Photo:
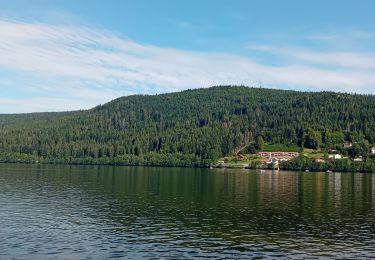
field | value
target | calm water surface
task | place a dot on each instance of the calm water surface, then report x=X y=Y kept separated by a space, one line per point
x=88 y=212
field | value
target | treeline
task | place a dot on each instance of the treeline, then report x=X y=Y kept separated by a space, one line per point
x=344 y=165
x=150 y=159
x=189 y=128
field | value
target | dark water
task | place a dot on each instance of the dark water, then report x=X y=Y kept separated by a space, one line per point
x=75 y=212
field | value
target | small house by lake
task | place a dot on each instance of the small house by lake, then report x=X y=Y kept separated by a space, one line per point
x=335 y=156
x=278 y=155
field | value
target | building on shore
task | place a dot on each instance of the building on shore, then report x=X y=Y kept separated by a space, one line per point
x=335 y=156
x=332 y=151
x=278 y=155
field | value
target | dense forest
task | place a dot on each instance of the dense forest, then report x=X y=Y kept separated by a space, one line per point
x=189 y=128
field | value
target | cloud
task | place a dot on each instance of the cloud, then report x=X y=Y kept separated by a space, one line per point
x=73 y=67
x=24 y=105
x=348 y=35
x=352 y=60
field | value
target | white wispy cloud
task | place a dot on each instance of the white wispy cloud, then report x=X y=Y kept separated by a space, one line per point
x=24 y=105
x=79 y=67
x=352 y=60
x=346 y=35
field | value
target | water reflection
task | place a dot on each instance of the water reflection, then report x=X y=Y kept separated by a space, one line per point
x=79 y=211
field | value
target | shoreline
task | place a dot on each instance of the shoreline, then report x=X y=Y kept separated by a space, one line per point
x=183 y=166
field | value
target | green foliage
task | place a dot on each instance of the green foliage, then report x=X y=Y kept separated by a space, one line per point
x=313 y=139
x=344 y=165
x=250 y=149
x=281 y=148
x=189 y=128
x=356 y=137
x=332 y=138
x=260 y=143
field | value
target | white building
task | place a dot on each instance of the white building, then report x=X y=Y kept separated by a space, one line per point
x=373 y=150
x=335 y=156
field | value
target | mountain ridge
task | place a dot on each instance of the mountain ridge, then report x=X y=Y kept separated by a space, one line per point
x=191 y=127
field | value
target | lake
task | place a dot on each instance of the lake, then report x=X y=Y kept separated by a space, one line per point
x=97 y=212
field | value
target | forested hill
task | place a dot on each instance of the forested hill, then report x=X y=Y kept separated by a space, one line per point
x=192 y=127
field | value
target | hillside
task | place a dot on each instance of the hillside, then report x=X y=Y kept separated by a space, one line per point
x=188 y=128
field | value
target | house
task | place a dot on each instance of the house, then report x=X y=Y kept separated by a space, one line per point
x=279 y=155
x=264 y=154
x=358 y=159
x=348 y=145
x=272 y=157
x=332 y=151
x=292 y=154
x=266 y=160
x=335 y=156
x=320 y=160
x=373 y=150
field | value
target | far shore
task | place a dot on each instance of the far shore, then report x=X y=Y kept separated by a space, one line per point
x=212 y=167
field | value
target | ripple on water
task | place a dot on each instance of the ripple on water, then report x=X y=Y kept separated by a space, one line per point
x=95 y=213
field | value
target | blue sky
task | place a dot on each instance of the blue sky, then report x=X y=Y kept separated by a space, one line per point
x=65 y=55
